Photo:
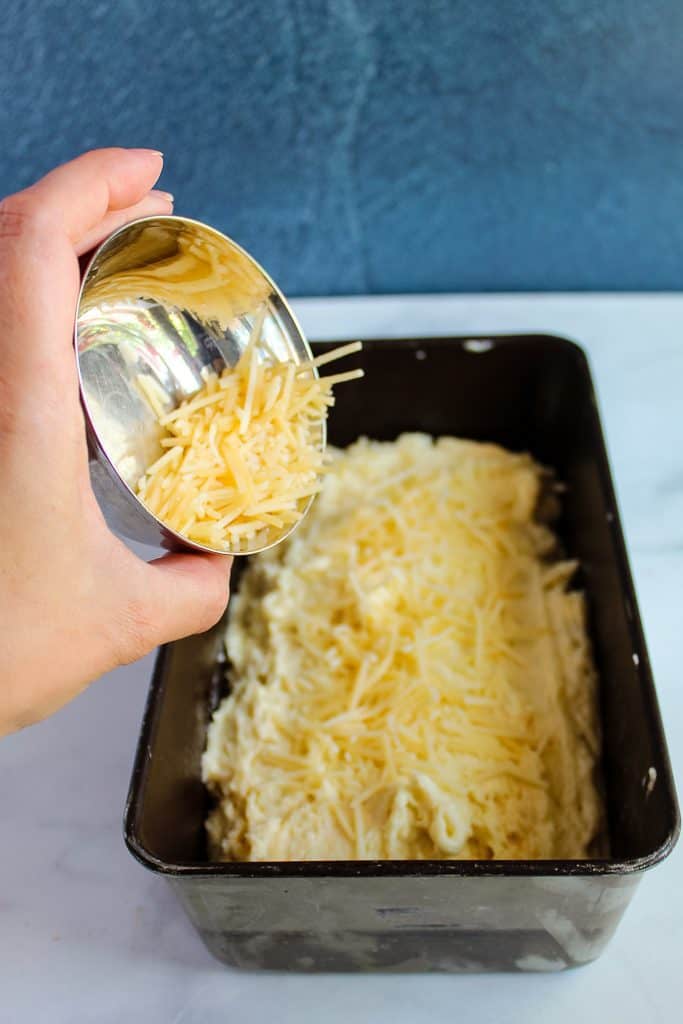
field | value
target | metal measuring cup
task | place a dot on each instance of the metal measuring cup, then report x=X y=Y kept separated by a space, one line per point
x=163 y=300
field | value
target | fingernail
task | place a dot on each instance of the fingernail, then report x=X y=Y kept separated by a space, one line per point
x=147 y=152
x=168 y=196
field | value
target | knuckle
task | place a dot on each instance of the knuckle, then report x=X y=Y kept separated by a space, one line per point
x=213 y=602
x=22 y=215
x=135 y=633
x=13 y=218
x=10 y=420
x=13 y=412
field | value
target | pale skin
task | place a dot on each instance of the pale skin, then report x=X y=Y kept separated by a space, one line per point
x=75 y=601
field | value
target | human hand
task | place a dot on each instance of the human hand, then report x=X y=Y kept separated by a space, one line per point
x=75 y=601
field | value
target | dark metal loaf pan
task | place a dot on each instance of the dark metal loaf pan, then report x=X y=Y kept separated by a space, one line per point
x=532 y=393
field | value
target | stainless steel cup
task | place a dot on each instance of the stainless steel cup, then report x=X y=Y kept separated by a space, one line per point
x=164 y=299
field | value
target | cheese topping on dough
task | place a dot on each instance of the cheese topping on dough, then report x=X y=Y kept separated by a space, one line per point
x=411 y=676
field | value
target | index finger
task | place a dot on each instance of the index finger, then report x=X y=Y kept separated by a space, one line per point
x=85 y=189
x=38 y=269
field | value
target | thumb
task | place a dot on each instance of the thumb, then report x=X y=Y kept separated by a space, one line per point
x=178 y=595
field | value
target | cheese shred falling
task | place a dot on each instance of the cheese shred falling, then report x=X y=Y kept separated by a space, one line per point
x=410 y=673
x=242 y=457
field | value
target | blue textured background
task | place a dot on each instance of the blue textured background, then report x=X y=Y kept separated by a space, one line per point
x=378 y=145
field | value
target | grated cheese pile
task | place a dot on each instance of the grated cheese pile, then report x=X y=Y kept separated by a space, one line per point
x=243 y=456
x=411 y=677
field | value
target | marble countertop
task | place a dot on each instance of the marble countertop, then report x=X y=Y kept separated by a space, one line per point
x=86 y=934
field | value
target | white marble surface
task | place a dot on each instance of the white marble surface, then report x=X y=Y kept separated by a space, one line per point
x=86 y=934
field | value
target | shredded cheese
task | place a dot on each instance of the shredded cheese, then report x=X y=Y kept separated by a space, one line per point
x=242 y=457
x=197 y=269
x=411 y=677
